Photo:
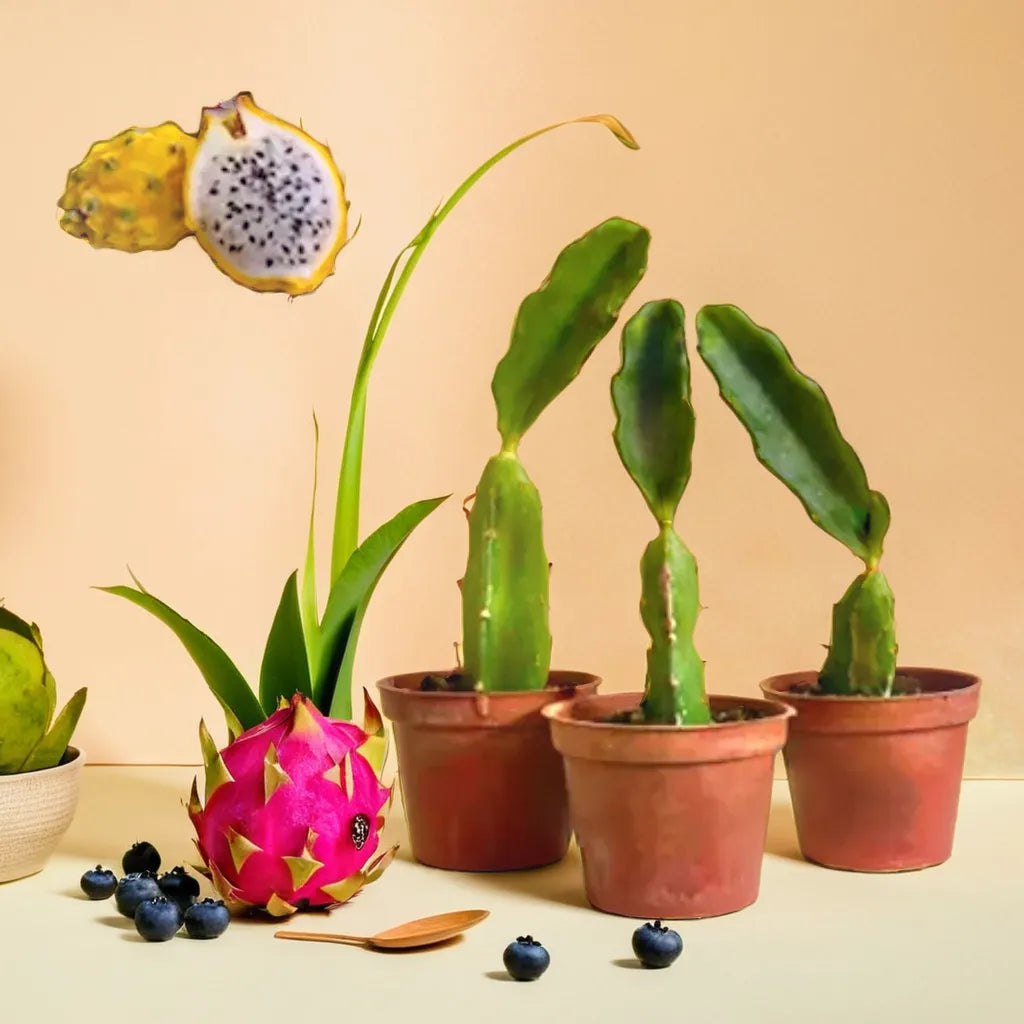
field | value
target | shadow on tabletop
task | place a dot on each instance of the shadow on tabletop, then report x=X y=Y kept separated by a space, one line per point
x=556 y=883
x=781 y=840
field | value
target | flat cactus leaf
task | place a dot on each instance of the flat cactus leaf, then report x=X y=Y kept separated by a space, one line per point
x=285 y=667
x=25 y=701
x=862 y=653
x=347 y=602
x=505 y=630
x=227 y=684
x=669 y=606
x=50 y=750
x=559 y=325
x=654 y=426
x=793 y=428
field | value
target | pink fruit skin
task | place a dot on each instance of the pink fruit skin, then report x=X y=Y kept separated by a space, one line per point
x=307 y=748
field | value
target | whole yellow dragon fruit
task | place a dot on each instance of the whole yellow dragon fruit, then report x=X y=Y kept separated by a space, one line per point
x=263 y=199
x=127 y=192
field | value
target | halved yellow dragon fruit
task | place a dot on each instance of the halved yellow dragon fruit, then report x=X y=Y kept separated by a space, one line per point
x=293 y=811
x=264 y=199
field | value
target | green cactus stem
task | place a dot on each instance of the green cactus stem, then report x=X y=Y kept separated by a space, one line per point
x=796 y=438
x=654 y=432
x=506 y=632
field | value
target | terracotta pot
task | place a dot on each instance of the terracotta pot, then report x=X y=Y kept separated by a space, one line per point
x=670 y=821
x=482 y=786
x=875 y=781
x=36 y=809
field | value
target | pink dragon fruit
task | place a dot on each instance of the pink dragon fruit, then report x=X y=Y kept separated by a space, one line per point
x=267 y=790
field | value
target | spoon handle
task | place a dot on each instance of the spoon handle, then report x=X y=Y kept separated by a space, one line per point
x=321 y=937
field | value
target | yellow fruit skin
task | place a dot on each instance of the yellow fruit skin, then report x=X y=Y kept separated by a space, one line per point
x=227 y=121
x=127 y=192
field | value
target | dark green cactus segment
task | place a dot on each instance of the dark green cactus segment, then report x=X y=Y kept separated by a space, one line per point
x=862 y=654
x=794 y=429
x=669 y=606
x=506 y=638
x=654 y=425
x=559 y=325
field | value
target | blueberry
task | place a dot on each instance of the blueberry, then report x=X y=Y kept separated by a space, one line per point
x=133 y=889
x=207 y=919
x=158 y=919
x=178 y=885
x=99 y=883
x=526 y=959
x=655 y=945
x=141 y=857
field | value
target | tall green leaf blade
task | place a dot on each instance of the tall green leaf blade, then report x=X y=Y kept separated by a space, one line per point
x=309 y=611
x=352 y=590
x=793 y=428
x=559 y=325
x=51 y=748
x=346 y=514
x=655 y=424
x=285 y=667
x=226 y=683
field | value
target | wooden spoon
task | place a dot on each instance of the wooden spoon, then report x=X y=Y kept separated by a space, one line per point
x=425 y=931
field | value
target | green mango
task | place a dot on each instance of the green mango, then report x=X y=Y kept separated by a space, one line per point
x=27 y=699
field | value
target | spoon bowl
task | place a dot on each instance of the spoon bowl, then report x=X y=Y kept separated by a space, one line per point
x=424 y=931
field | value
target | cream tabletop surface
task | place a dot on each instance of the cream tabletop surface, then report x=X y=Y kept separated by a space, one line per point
x=942 y=945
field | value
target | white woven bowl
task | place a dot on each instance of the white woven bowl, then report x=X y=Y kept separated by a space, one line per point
x=36 y=809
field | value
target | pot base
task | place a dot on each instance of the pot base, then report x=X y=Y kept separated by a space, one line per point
x=875 y=781
x=670 y=820
x=482 y=785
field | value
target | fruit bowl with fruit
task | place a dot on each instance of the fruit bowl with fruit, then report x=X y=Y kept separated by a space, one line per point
x=39 y=770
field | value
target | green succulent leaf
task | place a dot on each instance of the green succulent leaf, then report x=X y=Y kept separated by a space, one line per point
x=285 y=668
x=49 y=751
x=654 y=426
x=226 y=683
x=793 y=428
x=16 y=624
x=26 y=703
x=346 y=516
x=559 y=325
x=862 y=649
x=346 y=606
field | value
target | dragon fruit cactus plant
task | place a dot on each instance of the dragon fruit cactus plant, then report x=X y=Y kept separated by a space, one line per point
x=292 y=806
x=654 y=433
x=506 y=632
x=31 y=739
x=796 y=437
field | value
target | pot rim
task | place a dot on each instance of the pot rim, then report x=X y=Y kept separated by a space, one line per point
x=76 y=759
x=573 y=677
x=968 y=683
x=557 y=712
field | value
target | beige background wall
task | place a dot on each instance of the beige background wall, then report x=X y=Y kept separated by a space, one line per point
x=848 y=172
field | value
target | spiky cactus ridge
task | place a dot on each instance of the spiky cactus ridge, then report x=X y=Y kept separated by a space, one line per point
x=293 y=811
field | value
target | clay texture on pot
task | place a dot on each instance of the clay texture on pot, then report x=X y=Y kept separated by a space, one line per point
x=482 y=786
x=36 y=809
x=875 y=781
x=670 y=821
